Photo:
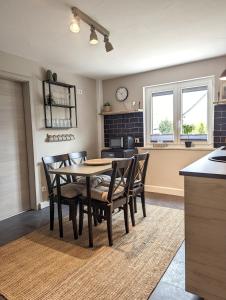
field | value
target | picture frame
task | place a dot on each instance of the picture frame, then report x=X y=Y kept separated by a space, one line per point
x=223 y=90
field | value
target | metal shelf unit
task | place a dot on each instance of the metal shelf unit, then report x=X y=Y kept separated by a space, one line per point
x=50 y=102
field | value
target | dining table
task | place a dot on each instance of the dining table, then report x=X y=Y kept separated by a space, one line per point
x=86 y=171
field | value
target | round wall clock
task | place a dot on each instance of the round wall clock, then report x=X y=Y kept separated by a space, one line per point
x=121 y=94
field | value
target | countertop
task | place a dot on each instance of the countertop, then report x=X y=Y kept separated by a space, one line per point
x=204 y=167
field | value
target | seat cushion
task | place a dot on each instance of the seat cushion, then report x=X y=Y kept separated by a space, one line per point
x=70 y=190
x=94 y=180
x=101 y=193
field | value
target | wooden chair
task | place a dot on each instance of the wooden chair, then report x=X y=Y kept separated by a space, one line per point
x=109 y=197
x=69 y=191
x=136 y=188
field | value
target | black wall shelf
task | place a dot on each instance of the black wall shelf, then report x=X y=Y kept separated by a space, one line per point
x=61 y=96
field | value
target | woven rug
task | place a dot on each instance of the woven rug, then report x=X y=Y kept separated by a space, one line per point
x=40 y=266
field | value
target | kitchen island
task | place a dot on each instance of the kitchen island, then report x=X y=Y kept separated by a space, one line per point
x=205 y=226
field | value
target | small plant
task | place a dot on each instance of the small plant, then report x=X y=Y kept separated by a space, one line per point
x=107 y=107
x=187 y=129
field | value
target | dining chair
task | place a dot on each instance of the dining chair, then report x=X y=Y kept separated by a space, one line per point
x=136 y=188
x=69 y=191
x=108 y=197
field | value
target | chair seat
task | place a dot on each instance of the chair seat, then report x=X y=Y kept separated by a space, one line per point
x=70 y=190
x=101 y=193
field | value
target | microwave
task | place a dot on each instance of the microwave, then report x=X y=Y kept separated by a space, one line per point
x=122 y=142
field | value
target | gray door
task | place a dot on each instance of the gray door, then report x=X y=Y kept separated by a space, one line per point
x=14 y=186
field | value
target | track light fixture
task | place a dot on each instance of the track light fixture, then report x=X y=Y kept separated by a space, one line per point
x=75 y=24
x=93 y=36
x=94 y=27
x=108 y=45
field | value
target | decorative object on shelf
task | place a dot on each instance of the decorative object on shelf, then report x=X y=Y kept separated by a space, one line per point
x=187 y=129
x=107 y=107
x=55 y=77
x=59 y=105
x=49 y=75
x=121 y=94
x=59 y=137
x=94 y=26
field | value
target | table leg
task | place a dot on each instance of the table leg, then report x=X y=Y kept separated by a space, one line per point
x=60 y=218
x=88 y=187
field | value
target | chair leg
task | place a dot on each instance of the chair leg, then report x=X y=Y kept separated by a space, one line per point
x=95 y=216
x=70 y=213
x=81 y=216
x=73 y=209
x=135 y=204
x=51 y=213
x=143 y=204
x=126 y=218
x=132 y=211
x=109 y=224
x=60 y=218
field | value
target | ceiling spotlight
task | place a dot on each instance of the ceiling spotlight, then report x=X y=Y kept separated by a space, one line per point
x=223 y=75
x=75 y=24
x=93 y=36
x=108 y=45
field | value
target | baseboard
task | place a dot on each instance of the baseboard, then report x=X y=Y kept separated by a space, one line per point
x=164 y=190
x=43 y=204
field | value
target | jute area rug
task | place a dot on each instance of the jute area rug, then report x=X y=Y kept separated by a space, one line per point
x=40 y=266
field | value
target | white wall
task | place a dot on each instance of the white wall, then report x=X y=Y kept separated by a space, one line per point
x=85 y=134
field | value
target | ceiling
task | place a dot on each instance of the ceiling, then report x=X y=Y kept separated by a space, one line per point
x=146 y=34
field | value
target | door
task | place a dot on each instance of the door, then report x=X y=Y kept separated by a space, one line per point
x=14 y=186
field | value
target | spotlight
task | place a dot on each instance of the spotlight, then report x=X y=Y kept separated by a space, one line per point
x=75 y=24
x=93 y=36
x=223 y=75
x=108 y=45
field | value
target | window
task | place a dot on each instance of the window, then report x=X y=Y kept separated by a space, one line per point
x=170 y=109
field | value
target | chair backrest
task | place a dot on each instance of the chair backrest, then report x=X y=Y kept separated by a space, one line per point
x=120 y=178
x=55 y=162
x=139 y=169
x=77 y=157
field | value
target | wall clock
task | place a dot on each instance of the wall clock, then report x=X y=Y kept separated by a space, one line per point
x=121 y=94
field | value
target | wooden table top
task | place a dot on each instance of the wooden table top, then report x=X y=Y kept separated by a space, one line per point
x=82 y=170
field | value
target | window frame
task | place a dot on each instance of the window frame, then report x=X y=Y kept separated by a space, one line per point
x=177 y=88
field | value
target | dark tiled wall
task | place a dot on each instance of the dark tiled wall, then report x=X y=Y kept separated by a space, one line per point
x=124 y=124
x=219 y=125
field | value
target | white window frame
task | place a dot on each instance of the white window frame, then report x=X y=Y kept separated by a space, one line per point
x=177 y=88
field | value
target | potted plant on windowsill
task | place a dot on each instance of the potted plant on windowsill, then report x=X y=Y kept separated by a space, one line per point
x=107 y=107
x=187 y=129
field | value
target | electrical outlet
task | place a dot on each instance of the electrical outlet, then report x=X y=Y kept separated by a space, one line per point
x=44 y=188
x=137 y=140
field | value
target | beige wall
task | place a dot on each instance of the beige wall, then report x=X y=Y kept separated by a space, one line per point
x=135 y=83
x=163 y=170
x=85 y=134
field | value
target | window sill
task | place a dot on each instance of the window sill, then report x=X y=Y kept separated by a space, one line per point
x=180 y=147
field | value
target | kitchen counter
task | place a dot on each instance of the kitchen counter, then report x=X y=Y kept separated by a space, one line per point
x=205 y=226
x=205 y=167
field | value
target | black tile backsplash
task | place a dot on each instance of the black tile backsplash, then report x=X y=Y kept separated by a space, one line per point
x=219 y=133
x=124 y=124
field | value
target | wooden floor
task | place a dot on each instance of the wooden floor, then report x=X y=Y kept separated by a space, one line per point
x=170 y=287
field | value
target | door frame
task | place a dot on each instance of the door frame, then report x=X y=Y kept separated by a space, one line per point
x=29 y=119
